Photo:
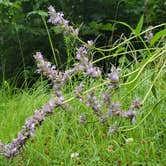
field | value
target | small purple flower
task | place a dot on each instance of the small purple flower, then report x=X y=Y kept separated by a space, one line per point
x=84 y=63
x=113 y=77
x=79 y=91
x=115 y=106
x=113 y=128
x=109 y=113
x=104 y=118
x=94 y=103
x=149 y=34
x=136 y=103
x=106 y=99
x=39 y=115
x=131 y=115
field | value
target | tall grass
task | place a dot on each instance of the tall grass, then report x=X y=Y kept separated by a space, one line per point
x=61 y=136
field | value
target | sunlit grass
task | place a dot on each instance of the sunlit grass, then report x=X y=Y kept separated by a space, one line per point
x=61 y=134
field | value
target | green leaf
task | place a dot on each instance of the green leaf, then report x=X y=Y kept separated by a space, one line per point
x=154 y=92
x=93 y=24
x=38 y=12
x=42 y=13
x=107 y=27
x=157 y=36
x=57 y=30
x=135 y=75
x=125 y=24
x=139 y=25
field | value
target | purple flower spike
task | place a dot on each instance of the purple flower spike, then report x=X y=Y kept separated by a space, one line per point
x=84 y=63
x=113 y=128
x=113 y=76
x=56 y=18
x=94 y=103
x=59 y=78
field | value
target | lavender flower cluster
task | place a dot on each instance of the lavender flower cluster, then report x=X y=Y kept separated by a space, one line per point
x=57 y=19
x=28 y=130
x=111 y=108
x=149 y=34
x=59 y=79
x=84 y=63
x=105 y=104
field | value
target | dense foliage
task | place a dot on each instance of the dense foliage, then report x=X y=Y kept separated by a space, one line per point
x=22 y=30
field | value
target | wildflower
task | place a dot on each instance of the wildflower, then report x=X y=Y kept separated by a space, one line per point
x=115 y=106
x=28 y=130
x=149 y=34
x=136 y=103
x=113 y=76
x=84 y=63
x=129 y=140
x=104 y=118
x=56 y=18
x=106 y=99
x=59 y=79
x=45 y=67
x=113 y=128
x=110 y=148
x=93 y=102
x=131 y=115
x=39 y=115
x=109 y=112
x=79 y=91
x=74 y=156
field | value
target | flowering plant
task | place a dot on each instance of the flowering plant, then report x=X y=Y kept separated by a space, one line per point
x=59 y=78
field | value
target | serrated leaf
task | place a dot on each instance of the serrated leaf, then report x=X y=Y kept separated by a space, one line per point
x=157 y=36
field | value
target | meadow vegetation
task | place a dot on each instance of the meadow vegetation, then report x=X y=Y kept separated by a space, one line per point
x=106 y=115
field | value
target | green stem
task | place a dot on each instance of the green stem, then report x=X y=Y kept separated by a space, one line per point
x=123 y=53
x=107 y=82
x=140 y=70
x=111 y=49
x=50 y=41
x=22 y=54
x=147 y=94
x=129 y=129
